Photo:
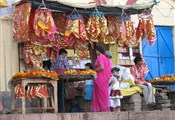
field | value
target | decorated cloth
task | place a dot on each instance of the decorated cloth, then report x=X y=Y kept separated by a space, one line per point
x=78 y=29
x=59 y=19
x=103 y=27
x=83 y=54
x=151 y=31
x=100 y=99
x=146 y=29
x=44 y=25
x=75 y=27
x=80 y=46
x=127 y=34
x=3 y=3
x=121 y=39
x=93 y=28
x=32 y=37
x=60 y=42
x=20 y=22
x=34 y=54
x=113 y=30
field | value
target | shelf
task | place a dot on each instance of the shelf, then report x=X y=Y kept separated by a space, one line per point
x=125 y=65
x=124 y=52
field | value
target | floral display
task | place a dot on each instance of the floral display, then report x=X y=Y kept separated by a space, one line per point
x=36 y=73
x=76 y=72
x=164 y=78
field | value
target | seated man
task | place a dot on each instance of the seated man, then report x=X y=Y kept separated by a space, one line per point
x=138 y=71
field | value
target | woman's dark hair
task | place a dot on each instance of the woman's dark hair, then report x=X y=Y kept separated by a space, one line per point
x=89 y=65
x=115 y=69
x=137 y=59
x=100 y=49
x=61 y=51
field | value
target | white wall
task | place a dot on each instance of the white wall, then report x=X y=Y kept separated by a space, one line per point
x=163 y=13
x=8 y=52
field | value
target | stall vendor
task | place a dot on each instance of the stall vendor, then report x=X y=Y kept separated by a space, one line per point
x=61 y=63
x=138 y=72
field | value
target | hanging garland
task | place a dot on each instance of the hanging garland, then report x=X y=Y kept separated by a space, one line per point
x=146 y=28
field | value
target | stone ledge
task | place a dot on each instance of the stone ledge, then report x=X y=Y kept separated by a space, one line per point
x=155 y=115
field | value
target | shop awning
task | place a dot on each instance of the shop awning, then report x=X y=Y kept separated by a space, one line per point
x=88 y=8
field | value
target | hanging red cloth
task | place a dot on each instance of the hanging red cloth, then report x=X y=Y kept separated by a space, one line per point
x=20 y=22
x=44 y=25
x=60 y=23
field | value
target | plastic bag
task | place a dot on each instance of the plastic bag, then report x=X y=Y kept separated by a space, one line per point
x=124 y=85
x=127 y=77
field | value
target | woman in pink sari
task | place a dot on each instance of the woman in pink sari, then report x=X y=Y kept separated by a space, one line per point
x=100 y=99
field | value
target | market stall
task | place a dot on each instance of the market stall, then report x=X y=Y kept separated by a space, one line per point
x=165 y=93
x=43 y=27
x=34 y=85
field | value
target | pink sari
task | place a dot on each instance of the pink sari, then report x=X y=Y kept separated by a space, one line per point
x=100 y=100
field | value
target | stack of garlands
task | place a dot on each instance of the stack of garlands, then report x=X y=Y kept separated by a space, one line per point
x=87 y=72
x=37 y=73
x=164 y=78
x=76 y=72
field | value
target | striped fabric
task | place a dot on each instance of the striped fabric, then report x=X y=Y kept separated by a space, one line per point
x=144 y=67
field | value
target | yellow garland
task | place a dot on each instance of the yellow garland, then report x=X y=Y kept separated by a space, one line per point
x=36 y=73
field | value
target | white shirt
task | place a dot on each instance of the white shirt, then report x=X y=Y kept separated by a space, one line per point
x=116 y=83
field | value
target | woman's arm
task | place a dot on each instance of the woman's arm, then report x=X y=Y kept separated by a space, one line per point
x=99 y=68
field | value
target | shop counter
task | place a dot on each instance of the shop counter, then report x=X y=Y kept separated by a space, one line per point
x=63 y=79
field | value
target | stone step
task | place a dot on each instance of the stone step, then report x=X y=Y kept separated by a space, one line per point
x=163 y=101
